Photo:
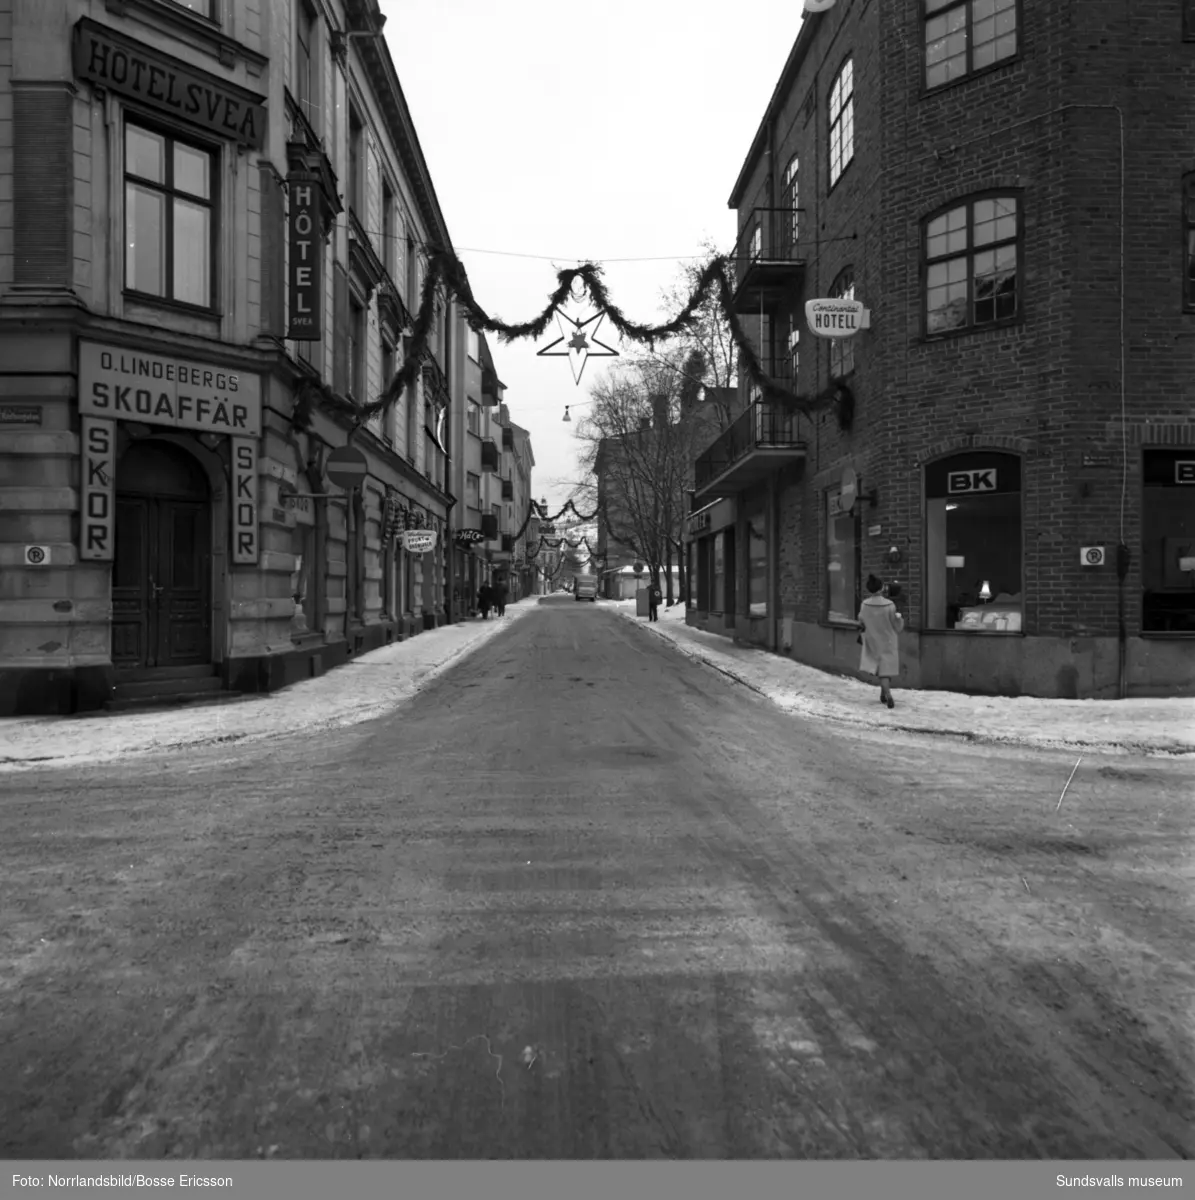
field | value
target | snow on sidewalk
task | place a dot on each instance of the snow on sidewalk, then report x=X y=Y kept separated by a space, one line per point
x=368 y=686
x=1149 y=726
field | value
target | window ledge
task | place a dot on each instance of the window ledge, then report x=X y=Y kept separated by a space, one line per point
x=178 y=306
x=156 y=13
x=928 y=93
x=989 y=633
x=1167 y=635
x=949 y=335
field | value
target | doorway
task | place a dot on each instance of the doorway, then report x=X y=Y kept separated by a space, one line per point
x=161 y=574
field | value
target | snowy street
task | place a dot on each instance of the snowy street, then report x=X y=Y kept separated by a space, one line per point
x=547 y=887
x=397 y=672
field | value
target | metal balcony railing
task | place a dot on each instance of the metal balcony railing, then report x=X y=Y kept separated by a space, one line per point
x=764 y=425
x=768 y=256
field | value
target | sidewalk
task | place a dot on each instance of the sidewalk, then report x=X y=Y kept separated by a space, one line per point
x=1109 y=726
x=364 y=688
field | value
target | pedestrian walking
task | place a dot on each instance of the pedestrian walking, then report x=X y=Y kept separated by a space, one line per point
x=879 y=624
x=653 y=602
x=500 y=594
x=485 y=598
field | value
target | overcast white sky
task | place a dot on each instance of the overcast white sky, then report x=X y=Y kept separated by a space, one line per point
x=582 y=131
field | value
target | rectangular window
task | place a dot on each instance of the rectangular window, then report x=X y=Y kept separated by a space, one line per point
x=1168 y=541
x=962 y=36
x=473 y=341
x=204 y=8
x=973 y=578
x=842 y=560
x=972 y=256
x=411 y=424
x=692 y=572
x=1189 y=241
x=304 y=60
x=842 y=120
x=388 y=372
x=842 y=350
x=356 y=350
x=757 y=565
x=169 y=217
x=474 y=416
x=356 y=164
x=388 y=239
x=473 y=491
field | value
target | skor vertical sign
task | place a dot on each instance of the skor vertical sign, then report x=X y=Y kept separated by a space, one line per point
x=96 y=523
x=306 y=259
x=244 y=501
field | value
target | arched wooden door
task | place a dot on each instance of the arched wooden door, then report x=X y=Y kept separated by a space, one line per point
x=161 y=576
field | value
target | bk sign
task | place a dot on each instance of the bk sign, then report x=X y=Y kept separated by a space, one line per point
x=983 y=480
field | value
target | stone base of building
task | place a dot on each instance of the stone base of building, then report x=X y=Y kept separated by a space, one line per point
x=1078 y=668
x=54 y=692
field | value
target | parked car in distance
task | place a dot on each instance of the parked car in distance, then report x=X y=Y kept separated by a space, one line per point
x=585 y=588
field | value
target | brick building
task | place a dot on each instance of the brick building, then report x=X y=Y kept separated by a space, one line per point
x=220 y=214
x=1009 y=191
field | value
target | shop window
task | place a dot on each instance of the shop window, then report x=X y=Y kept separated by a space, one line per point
x=842 y=560
x=974 y=574
x=691 y=551
x=718 y=573
x=1168 y=541
x=169 y=217
x=842 y=350
x=842 y=120
x=972 y=265
x=962 y=36
x=301 y=581
x=757 y=566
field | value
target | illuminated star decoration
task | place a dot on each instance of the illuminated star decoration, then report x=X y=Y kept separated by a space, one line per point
x=581 y=345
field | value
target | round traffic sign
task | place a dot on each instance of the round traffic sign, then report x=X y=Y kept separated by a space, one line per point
x=346 y=467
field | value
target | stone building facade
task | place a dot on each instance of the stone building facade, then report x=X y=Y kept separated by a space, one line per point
x=219 y=231
x=1007 y=190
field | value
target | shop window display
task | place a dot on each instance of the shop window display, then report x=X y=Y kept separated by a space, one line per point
x=974 y=560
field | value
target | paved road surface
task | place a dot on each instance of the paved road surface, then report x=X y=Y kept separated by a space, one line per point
x=585 y=898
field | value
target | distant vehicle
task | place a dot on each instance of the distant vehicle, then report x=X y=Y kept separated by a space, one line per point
x=585 y=587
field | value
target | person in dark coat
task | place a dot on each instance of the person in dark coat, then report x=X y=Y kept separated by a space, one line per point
x=653 y=602
x=500 y=594
x=879 y=625
x=485 y=597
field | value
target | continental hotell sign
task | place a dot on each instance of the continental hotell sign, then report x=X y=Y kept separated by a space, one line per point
x=130 y=68
x=119 y=384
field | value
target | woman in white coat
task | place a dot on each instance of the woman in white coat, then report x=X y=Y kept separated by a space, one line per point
x=880 y=623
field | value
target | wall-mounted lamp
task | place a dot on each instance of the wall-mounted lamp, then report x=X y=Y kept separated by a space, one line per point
x=894 y=555
x=566 y=416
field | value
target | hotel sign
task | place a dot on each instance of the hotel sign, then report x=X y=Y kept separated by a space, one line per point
x=130 y=68
x=419 y=541
x=161 y=389
x=304 y=272
x=836 y=318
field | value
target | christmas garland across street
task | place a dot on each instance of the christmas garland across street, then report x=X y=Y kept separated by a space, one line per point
x=445 y=268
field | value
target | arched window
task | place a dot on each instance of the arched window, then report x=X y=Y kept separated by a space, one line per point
x=842 y=350
x=842 y=120
x=792 y=201
x=974 y=561
x=972 y=264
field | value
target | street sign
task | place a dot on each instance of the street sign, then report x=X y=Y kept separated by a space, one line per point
x=346 y=467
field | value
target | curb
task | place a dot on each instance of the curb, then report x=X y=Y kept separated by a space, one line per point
x=965 y=735
x=346 y=720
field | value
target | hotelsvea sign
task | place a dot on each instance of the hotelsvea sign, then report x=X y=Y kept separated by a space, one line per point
x=836 y=318
x=304 y=270
x=162 y=389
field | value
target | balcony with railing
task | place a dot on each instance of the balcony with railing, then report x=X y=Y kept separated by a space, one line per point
x=769 y=266
x=764 y=438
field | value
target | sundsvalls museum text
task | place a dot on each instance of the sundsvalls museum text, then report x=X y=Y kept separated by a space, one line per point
x=125 y=1181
